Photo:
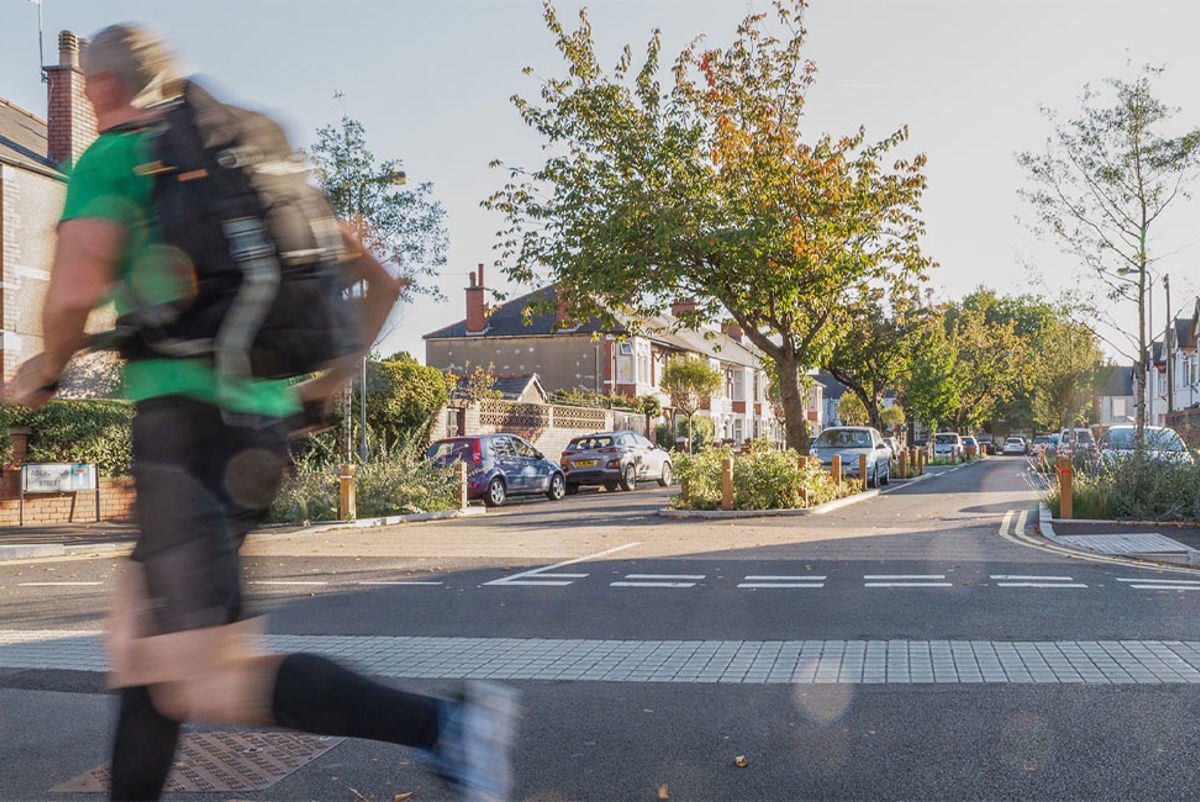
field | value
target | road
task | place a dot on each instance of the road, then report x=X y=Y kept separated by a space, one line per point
x=906 y=647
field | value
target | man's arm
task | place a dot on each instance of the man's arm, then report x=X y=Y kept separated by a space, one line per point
x=85 y=262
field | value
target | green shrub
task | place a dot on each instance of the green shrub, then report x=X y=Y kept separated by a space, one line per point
x=763 y=479
x=96 y=431
x=393 y=483
x=702 y=432
x=1133 y=489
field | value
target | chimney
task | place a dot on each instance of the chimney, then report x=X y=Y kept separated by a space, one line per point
x=71 y=123
x=476 y=308
x=563 y=311
x=683 y=305
x=733 y=331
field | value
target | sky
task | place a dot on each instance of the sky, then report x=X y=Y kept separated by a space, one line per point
x=431 y=80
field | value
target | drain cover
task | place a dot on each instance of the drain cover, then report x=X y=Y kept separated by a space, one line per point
x=224 y=761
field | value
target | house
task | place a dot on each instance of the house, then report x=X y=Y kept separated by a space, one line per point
x=1116 y=399
x=590 y=358
x=1181 y=381
x=35 y=156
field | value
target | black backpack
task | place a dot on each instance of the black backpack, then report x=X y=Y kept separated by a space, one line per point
x=271 y=296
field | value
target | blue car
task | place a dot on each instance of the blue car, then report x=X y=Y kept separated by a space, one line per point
x=499 y=466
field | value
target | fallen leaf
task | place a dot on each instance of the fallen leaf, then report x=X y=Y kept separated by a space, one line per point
x=741 y=762
x=662 y=792
x=402 y=797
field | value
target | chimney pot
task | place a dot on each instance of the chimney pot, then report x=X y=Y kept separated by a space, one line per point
x=68 y=49
x=481 y=274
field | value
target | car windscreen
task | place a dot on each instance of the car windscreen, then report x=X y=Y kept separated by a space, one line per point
x=946 y=439
x=1156 y=440
x=841 y=438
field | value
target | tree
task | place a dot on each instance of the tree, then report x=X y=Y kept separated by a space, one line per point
x=710 y=190
x=931 y=391
x=402 y=398
x=405 y=228
x=1105 y=179
x=689 y=381
x=893 y=418
x=876 y=351
x=988 y=360
x=1066 y=370
x=851 y=411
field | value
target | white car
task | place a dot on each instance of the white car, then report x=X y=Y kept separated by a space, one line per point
x=1161 y=444
x=851 y=442
x=1014 y=445
x=945 y=443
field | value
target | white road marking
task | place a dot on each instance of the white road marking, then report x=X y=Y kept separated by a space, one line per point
x=287 y=582
x=1031 y=578
x=801 y=578
x=657 y=581
x=665 y=576
x=1022 y=519
x=652 y=584
x=904 y=576
x=1004 y=524
x=908 y=584
x=905 y=581
x=1040 y=585
x=781 y=584
x=58 y=584
x=542 y=576
x=1160 y=584
x=398 y=583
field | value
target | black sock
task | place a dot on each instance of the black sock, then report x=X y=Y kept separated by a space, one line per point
x=143 y=747
x=316 y=695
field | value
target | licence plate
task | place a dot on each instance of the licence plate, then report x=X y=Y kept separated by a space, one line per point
x=585 y=463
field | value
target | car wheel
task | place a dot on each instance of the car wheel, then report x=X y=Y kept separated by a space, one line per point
x=887 y=476
x=665 y=479
x=873 y=477
x=558 y=487
x=629 y=478
x=496 y=493
x=611 y=487
x=572 y=488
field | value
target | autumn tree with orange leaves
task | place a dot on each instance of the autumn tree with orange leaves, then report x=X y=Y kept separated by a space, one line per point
x=710 y=190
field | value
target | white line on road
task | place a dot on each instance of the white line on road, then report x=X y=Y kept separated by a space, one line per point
x=287 y=582
x=781 y=584
x=1040 y=585
x=399 y=583
x=664 y=576
x=58 y=584
x=652 y=584
x=1005 y=523
x=908 y=584
x=801 y=578
x=529 y=577
x=1032 y=578
x=1159 y=581
x=1022 y=519
x=903 y=576
x=1165 y=587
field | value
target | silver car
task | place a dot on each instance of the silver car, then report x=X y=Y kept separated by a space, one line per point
x=1161 y=444
x=614 y=459
x=851 y=442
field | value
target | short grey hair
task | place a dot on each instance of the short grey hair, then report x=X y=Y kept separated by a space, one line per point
x=138 y=58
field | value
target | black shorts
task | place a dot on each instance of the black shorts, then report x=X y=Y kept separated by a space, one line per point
x=202 y=483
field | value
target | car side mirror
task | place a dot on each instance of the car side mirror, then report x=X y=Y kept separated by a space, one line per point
x=882 y=445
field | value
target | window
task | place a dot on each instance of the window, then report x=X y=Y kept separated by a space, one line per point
x=1118 y=408
x=523 y=448
x=739 y=384
x=503 y=447
x=625 y=365
x=643 y=442
x=738 y=430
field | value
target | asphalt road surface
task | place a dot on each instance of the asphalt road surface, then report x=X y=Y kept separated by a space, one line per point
x=906 y=647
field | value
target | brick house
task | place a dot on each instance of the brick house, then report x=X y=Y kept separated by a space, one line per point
x=35 y=157
x=589 y=357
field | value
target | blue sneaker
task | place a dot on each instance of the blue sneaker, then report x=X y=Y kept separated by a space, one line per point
x=474 y=747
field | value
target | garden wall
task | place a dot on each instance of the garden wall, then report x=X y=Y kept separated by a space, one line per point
x=548 y=426
x=116 y=498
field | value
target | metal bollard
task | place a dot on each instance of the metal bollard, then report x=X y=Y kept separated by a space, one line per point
x=727 y=483
x=1066 y=481
x=349 y=509
x=862 y=470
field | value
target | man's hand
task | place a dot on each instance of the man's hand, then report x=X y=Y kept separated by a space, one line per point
x=30 y=386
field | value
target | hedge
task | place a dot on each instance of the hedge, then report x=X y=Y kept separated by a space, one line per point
x=97 y=431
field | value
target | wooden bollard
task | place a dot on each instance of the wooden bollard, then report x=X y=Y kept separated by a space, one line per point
x=920 y=461
x=862 y=470
x=1066 y=481
x=462 y=485
x=349 y=508
x=835 y=468
x=727 y=483
x=904 y=463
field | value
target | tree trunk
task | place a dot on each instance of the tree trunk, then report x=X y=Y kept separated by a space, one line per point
x=1142 y=363
x=795 y=404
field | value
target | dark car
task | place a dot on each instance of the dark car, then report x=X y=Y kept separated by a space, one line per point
x=614 y=459
x=500 y=465
x=986 y=444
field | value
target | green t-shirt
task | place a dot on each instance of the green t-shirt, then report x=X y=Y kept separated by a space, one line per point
x=104 y=184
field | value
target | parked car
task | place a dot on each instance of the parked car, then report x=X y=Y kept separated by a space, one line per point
x=970 y=442
x=1160 y=444
x=893 y=447
x=849 y=442
x=1077 y=440
x=944 y=444
x=614 y=459
x=1045 y=443
x=986 y=444
x=499 y=466
x=1014 y=446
